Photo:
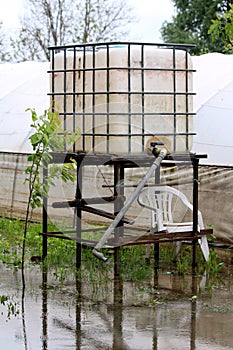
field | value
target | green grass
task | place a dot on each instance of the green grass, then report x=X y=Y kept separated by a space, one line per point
x=62 y=254
x=11 y=239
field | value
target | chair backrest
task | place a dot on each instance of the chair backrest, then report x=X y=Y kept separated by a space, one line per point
x=159 y=200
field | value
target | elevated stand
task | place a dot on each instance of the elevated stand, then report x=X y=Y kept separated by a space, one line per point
x=123 y=235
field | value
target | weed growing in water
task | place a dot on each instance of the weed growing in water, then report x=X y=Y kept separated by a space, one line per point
x=213 y=267
x=133 y=264
x=11 y=306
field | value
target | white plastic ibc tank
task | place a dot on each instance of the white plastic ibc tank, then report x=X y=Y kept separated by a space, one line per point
x=68 y=87
x=126 y=103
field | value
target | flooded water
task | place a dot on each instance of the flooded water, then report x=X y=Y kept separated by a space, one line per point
x=170 y=314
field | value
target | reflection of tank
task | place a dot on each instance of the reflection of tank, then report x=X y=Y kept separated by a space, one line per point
x=123 y=96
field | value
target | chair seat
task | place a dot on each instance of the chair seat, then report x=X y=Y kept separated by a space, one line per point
x=175 y=224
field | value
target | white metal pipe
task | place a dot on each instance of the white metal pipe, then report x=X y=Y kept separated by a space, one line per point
x=96 y=251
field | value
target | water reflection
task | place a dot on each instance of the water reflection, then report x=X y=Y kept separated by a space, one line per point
x=193 y=314
x=161 y=315
x=118 y=340
x=44 y=316
x=111 y=320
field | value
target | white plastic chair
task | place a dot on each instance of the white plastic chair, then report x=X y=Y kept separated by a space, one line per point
x=160 y=199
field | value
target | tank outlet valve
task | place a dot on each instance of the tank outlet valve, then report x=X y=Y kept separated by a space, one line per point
x=156 y=147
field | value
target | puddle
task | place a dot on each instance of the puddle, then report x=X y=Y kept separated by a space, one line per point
x=119 y=316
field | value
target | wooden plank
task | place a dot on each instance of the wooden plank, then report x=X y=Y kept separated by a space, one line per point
x=160 y=238
x=159 y=241
x=165 y=234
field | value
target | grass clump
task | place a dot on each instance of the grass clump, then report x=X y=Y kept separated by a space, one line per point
x=11 y=240
x=133 y=263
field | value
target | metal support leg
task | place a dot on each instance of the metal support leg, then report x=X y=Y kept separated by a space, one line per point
x=118 y=191
x=195 y=211
x=78 y=216
x=45 y=217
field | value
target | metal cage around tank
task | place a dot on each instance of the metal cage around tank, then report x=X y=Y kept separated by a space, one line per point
x=123 y=96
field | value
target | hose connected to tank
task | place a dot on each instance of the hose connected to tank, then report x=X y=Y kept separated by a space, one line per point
x=160 y=154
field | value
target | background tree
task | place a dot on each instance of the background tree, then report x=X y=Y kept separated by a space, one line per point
x=58 y=22
x=191 y=24
x=222 y=29
x=4 y=53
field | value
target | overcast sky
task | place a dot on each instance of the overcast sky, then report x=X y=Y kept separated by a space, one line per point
x=152 y=13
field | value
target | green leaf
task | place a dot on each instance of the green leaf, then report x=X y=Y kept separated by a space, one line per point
x=36 y=139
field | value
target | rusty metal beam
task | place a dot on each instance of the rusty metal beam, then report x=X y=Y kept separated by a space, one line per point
x=86 y=201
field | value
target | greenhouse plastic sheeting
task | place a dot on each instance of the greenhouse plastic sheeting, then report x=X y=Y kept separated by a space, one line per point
x=213 y=84
x=22 y=85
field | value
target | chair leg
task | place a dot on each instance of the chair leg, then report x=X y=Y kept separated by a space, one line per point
x=204 y=247
x=148 y=248
x=177 y=250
